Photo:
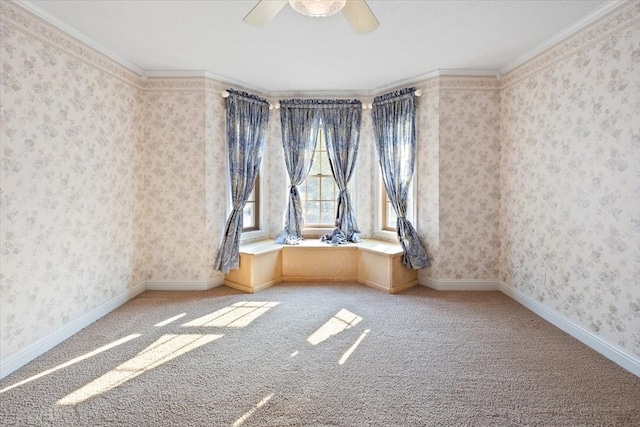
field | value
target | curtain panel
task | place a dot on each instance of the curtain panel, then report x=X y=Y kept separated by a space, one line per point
x=393 y=116
x=247 y=117
x=340 y=121
x=300 y=124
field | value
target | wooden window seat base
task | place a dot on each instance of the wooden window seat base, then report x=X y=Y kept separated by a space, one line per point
x=374 y=263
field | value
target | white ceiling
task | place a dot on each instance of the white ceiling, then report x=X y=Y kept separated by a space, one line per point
x=294 y=53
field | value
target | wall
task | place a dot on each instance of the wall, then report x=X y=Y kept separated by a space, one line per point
x=70 y=123
x=275 y=181
x=571 y=179
x=184 y=177
x=215 y=175
x=427 y=174
x=469 y=154
x=458 y=176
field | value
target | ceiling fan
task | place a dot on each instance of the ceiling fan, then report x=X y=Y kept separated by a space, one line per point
x=357 y=12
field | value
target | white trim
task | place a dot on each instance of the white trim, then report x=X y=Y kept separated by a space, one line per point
x=73 y=32
x=459 y=285
x=590 y=339
x=184 y=285
x=561 y=36
x=20 y=358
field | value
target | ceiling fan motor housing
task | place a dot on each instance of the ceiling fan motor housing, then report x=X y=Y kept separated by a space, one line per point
x=317 y=8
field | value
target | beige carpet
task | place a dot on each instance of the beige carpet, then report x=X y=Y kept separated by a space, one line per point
x=321 y=355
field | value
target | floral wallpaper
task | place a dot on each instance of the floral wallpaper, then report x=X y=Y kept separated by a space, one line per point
x=458 y=176
x=427 y=175
x=571 y=178
x=67 y=168
x=215 y=173
x=366 y=177
x=469 y=155
x=173 y=144
x=275 y=180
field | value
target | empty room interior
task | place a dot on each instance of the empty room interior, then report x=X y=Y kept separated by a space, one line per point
x=319 y=212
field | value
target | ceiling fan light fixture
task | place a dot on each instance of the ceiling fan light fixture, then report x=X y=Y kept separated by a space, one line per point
x=317 y=8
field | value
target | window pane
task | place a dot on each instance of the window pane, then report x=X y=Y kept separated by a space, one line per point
x=252 y=195
x=313 y=213
x=328 y=213
x=391 y=216
x=326 y=165
x=313 y=188
x=328 y=186
x=247 y=216
x=315 y=165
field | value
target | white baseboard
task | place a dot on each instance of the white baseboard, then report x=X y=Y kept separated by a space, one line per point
x=459 y=285
x=184 y=285
x=22 y=357
x=590 y=339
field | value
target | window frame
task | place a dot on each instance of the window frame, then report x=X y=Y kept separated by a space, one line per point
x=317 y=229
x=256 y=207
x=381 y=230
x=385 y=206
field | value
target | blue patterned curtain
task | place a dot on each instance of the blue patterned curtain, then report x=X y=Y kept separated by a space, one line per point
x=341 y=125
x=300 y=122
x=247 y=117
x=395 y=133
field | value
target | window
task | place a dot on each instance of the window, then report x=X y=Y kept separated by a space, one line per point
x=388 y=216
x=319 y=191
x=251 y=211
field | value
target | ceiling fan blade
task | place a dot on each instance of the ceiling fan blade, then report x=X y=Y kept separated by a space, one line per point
x=360 y=16
x=263 y=12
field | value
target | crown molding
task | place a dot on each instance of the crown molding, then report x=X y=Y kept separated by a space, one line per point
x=76 y=34
x=180 y=74
x=442 y=78
x=604 y=21
x=458 y=79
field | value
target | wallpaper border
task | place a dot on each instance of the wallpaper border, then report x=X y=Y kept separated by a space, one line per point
x=488 y=83
x=27 y=22
x=178 y=84
x=616 y=20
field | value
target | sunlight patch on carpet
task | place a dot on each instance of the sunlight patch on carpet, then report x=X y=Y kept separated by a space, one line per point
x=355 y=345
x=73 y=361
x=237 y=315
x=338 y=323
x=250 y=412
x=170 y=320
x=166 y=348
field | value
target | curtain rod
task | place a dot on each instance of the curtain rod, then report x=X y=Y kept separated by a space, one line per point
x=225 y=94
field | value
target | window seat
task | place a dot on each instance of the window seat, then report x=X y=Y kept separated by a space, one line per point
x=374 y=263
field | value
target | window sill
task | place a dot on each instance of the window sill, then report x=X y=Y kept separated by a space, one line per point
x=252 y=236
x=315 y=233
x=388 y=236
